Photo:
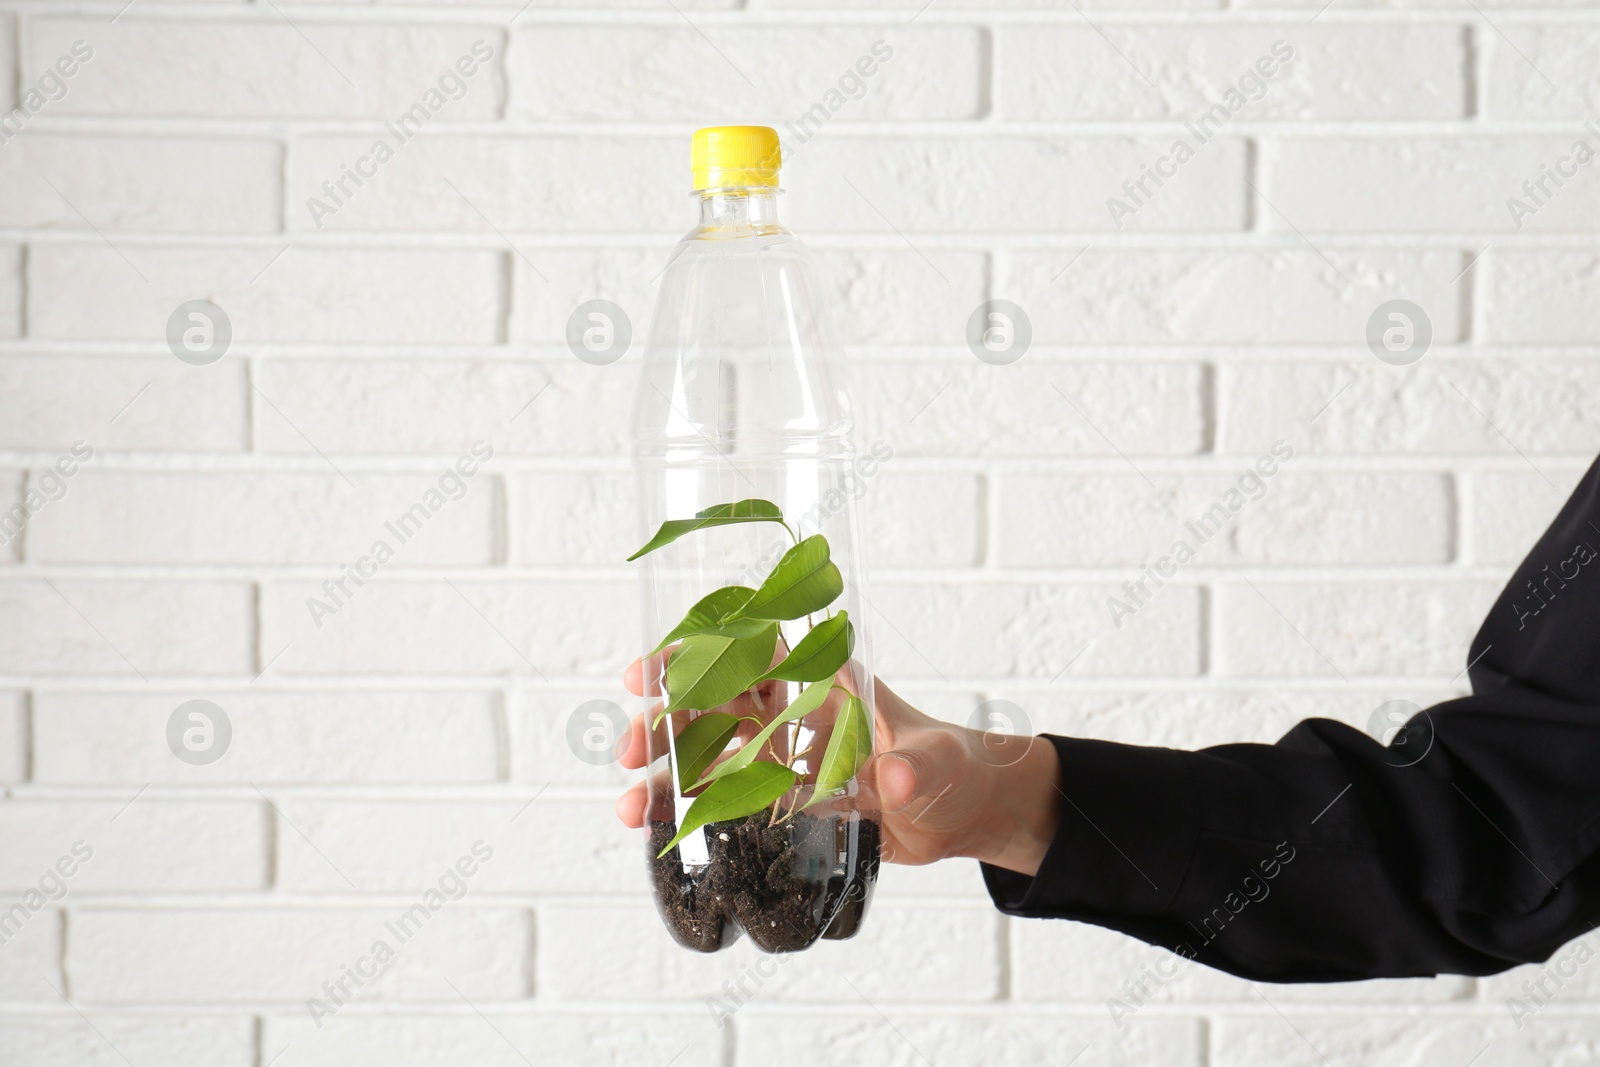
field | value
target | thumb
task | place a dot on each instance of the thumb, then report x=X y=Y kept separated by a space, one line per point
x=926 y=768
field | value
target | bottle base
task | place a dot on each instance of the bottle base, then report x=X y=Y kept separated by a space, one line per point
x=785 y=885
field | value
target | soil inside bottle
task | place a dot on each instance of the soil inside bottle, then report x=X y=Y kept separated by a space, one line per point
x=784 y=884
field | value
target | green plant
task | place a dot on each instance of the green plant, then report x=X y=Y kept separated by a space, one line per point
x=725 y=646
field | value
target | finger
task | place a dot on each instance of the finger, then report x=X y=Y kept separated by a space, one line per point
x=644 y=675
x=896 y=781
x=632 y=751
x=630 y=806
x=930 y=764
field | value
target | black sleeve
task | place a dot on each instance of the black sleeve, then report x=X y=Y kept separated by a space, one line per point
x=1467 y=846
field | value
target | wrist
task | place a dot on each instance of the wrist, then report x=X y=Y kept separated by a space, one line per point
x=1021 y=809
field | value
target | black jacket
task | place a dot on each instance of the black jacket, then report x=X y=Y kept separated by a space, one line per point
x=1467 y=846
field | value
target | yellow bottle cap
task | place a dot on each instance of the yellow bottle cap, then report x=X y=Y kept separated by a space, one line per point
x=726 y=157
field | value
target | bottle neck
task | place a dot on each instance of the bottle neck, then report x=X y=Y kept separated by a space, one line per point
x=754 y=208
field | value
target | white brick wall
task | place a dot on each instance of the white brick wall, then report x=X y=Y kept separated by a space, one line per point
x=373 y=346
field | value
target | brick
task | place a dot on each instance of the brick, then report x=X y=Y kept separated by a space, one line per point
x=1031 y=629
x=350 y=295
x=887 y=296
x=538 y=737
x=931 y=293
x=1055 y=962
x=88 y=627
x=125 y=955
x=946 y=184
x=667 y=73
x=608 y=5
x=265 y=68
x=155 y=845
x=12 y=525
x=1032 y=408
x=32 y=952
x=426 y=627
x=549 y=846
x=1437 y=406
x=1429 y=184
x=1565 y=980
x=1313 y=5
x=1363 y=628
x=586 y=518
x=439 y=407
x=10 y=291
x=908 y=519
x=141 y=183
x=64 y=1040
x=1541 y=296
x=58 y=400
x=8 y=67
x=560 y=279
x=1337 y=72
x=1303 y=1038
x=14 y=734
x=904 y=1039
x=1508 y=511
x=522 y=184
x=1543 y=72
x=628 y=1035
x=1292 y=519
x=609 y=953
x=268 y=518
x=1225 y=296
x=922 y=519
x=955 y=880
x=1195 y=720
x=416 y=737
x=1009 y=5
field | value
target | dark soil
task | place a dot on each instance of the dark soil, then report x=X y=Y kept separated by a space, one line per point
x=784 y=885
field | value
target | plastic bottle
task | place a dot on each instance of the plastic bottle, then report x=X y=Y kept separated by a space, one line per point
x=741 y=401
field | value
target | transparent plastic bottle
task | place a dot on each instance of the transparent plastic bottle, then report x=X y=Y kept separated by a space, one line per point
x=741 y=398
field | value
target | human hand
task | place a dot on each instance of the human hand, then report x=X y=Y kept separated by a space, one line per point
x=938 y=789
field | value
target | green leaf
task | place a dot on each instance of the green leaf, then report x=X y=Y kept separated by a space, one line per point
x=709 y=670
x=734 y=797
x=820 y=653
x=701 y=742
x=805 y=580
x=707 y=614
x=807 y=702
x=751 y=510
x=848 y=749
